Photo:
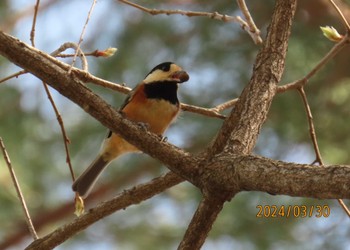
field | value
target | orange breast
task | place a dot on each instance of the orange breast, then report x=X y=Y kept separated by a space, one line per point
x=157 y=113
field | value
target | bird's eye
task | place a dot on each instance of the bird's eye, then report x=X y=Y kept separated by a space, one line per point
x=165 y=67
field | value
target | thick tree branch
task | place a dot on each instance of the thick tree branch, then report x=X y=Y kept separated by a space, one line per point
x=250 y=173
x=255 y=173
x=201 y=223
x=241 y=129
x=132 y=196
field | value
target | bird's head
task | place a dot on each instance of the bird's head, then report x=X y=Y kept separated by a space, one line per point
x=166 y=72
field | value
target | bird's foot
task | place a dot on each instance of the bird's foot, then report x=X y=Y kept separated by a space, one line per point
x=143 y=125
x=163 y=138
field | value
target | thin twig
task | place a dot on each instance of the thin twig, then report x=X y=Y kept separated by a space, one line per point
x=18 y=190
x=225 y=105
x=48 y=93
x=63 y=47
x=66 y=139
x=252 y=27
x=311 y=126
x=17 y=74
x=104 y=83
x=215 y=15
x=302 y=82
x=343 y=205
x=93 y=53
x=202 y=111
x=32 y=32
x=342 y=17
x=82 y=34
x=78 y=52
x=314 y=139
x=63 y=130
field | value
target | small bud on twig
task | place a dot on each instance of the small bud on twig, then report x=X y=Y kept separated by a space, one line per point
x=331 y=33
x=107 y=52
x=79 y=206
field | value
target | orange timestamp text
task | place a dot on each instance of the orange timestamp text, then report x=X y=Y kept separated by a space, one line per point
x=293 y=211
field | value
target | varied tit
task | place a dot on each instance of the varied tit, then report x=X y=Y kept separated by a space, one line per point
x=153 y=102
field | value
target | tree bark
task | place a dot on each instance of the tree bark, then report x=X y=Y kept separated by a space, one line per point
x=240 y=131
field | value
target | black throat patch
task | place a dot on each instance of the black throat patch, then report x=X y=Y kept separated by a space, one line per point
x=164 y=90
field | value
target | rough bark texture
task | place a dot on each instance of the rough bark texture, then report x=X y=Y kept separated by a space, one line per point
x=240 y=131
x=199 y=228
x=254 y=173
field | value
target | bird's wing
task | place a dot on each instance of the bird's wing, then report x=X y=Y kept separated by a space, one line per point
x=129 y=97
x=127 y=100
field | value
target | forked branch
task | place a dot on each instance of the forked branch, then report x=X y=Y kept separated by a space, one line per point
x=250 y=28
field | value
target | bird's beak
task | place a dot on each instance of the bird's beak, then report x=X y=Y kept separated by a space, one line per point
x=180 y=76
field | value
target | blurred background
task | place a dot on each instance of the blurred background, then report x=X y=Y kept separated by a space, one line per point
x=219 y=58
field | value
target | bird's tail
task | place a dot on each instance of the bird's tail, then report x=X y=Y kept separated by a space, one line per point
x=84 y=183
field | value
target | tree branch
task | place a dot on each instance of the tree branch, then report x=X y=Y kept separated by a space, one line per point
x=303 y=81
x=201 y=223
x=240 y=131
x=129 y=197
x=252 y=27
x=252 y=31
x=18 y=191
x=77 y=50
x=250 y=173
x=255 y=173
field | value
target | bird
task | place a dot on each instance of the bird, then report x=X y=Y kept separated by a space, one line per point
x=154 y=103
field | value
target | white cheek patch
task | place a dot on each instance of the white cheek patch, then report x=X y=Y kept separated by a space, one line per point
x=156 y=76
